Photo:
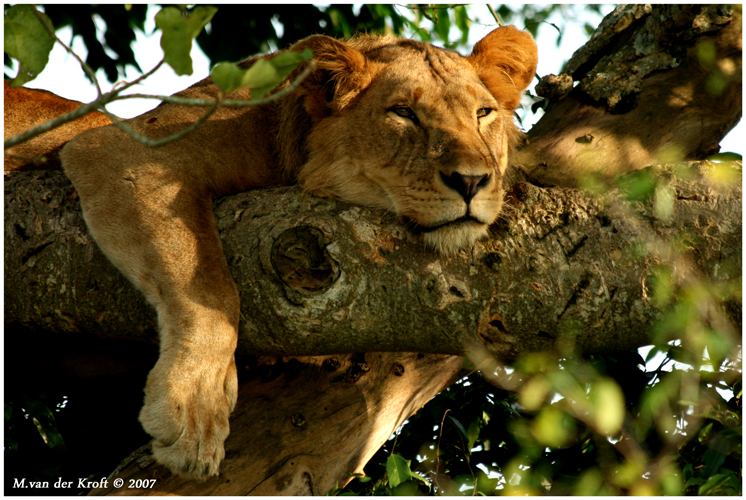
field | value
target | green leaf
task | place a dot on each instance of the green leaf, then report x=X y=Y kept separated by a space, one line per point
x=460 y=427
x=263 y=76
x=608 y=400
x=416 y=476
x=693 y=481
x=712 y=484
x=725 y=156
x=43 y=419
x=227 y=76
x=178 y=32
x=397 y=470
x=553 y=428
x=406 y=489
x=443 y=26
x=639 y=185
x=27 y=40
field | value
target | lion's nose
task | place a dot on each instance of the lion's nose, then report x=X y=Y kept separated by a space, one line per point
x=465 y=185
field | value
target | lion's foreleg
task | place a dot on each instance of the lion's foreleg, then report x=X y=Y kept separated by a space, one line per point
x=160 y=232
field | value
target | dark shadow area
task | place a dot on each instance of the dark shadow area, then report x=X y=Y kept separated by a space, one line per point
x=71 y=409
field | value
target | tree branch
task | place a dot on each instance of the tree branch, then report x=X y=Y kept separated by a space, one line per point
x=563 y=271
x=645 y=95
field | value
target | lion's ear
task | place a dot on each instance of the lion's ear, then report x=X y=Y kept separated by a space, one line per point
x=506 y=60
x=341 y=72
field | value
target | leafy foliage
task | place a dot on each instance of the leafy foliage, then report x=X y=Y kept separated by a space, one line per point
x=262 y=76
x=28 y=40
x=489 y=443
x=179 y=28
x=263 y=28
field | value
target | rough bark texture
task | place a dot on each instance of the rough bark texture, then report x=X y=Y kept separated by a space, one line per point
x=323 y=277
x=656 y=84
x=562 y=271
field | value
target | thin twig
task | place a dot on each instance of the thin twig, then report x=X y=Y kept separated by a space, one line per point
x=60 y=120
x=99 y=103
x=137 y=80
x=496 y=16
x=36 y=160
x=230 y=103
x=437 y=448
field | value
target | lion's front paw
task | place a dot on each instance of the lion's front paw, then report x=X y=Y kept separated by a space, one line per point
x=187 y=414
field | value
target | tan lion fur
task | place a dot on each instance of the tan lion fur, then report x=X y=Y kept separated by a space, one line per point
x=24 y=109
x=382 y=121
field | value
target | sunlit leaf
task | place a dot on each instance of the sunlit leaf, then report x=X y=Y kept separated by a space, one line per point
x=397 y=470
x=553 y=428
x=27 y=40
x=663 y=203
x=533 y=393
x=263 y=76
x=669 y=153
x=639 y=185
x=724 y=174
x=590 y=482
x=627 y=474
x=706 y=51
x=671 y=481
x=663 y=287
x=178 y=32
x=608 y=401
x=473 y=433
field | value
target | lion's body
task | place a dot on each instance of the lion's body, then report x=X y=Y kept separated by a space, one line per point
x=25 y=109
x=384 y=122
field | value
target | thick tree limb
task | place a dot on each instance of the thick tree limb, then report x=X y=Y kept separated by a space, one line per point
x=656 y=84
x=321 y=277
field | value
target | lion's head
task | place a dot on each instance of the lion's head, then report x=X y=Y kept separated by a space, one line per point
x=416 y=129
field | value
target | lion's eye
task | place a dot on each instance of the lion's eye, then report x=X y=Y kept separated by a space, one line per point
x=482 y=112
x=404 y=112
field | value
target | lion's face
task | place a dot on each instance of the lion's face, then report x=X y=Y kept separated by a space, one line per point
x=423 y=136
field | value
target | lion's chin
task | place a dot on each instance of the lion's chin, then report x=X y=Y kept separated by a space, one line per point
x=451 y=238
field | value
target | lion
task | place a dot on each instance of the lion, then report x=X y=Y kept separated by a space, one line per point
x=24 y=109
x=381 y=121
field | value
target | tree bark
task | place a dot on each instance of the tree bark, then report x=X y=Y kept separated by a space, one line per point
x=321 y=277
x=656 y=84
x=563 y=271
